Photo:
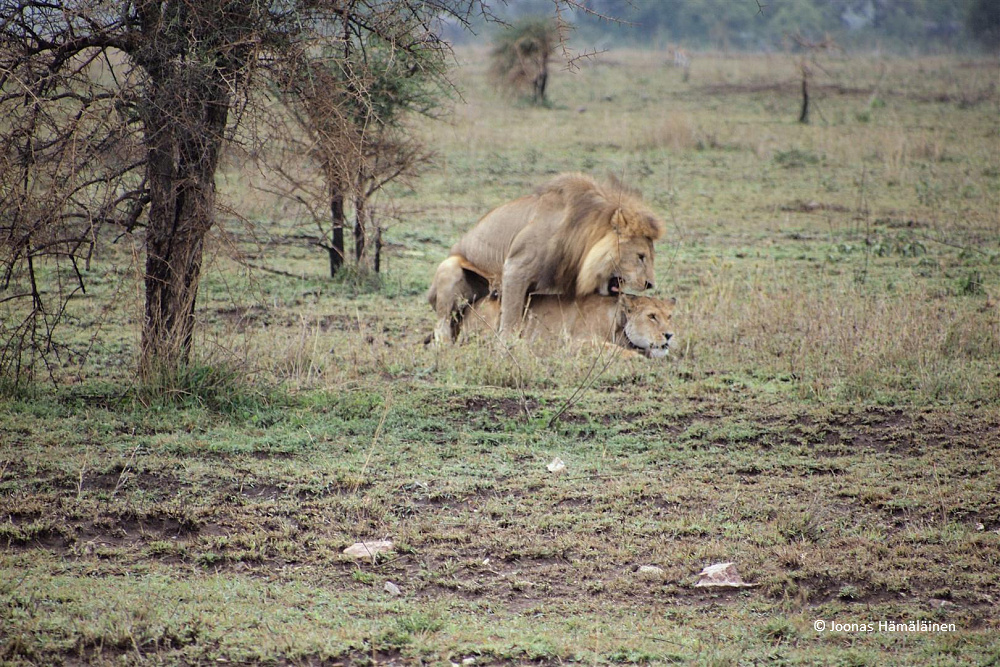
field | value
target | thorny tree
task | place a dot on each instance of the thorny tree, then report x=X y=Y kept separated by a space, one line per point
x=114 y=115
x=354 y=138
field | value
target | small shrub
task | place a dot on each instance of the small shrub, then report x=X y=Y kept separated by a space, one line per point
x=971 y=284
x=363 y=577
x=779 y=630
x=419 y=623
x=520 y=57
x=223 y=387
x=358 y=280
x=849 y=592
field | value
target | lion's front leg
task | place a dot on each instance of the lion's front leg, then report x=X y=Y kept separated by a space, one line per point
x=513 y=297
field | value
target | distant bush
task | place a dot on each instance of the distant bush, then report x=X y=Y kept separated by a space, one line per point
x=521 y=54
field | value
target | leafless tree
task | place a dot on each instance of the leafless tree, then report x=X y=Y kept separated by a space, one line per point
x=809 y=60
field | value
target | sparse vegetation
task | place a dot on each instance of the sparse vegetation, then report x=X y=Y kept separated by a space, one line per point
x=829 y=418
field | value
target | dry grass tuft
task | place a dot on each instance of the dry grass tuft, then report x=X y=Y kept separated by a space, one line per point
x=676 y=132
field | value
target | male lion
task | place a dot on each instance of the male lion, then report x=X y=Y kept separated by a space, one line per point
x=573 y=236
x=640 y=324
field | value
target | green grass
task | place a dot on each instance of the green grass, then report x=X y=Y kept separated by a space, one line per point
x=829 y=419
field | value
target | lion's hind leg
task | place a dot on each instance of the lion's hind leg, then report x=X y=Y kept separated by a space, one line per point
x=453 y=289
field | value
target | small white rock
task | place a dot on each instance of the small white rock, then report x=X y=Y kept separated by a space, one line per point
x=469 y=661
x=391 y=588
x=368 y=550
x=980 y=526
x=722 y=575
x=557 y=465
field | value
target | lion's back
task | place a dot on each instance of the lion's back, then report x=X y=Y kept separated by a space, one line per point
x=590 y=316
x=486 y=245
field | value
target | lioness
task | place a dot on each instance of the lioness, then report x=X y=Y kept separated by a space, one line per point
x=572 y=237
x=640 y=324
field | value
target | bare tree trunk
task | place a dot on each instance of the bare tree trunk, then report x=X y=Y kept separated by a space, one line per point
x=377 y=259
x=337 y=249
x=185 y=128
x=539 y=84
x=804 y=115
x=359 y=229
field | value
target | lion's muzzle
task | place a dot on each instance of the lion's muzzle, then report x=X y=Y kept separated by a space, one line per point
x=616 y=285
x=649 y=349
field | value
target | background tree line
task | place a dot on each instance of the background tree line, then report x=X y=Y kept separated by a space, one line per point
x=899 y=25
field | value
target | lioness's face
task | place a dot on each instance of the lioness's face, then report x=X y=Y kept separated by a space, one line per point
x=632 y=269
x=647 y=324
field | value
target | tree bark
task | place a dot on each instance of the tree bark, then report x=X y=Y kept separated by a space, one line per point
x=359 y=230
x=804 y=115
x=539 y=84
x=337 y=249
x=184 y=125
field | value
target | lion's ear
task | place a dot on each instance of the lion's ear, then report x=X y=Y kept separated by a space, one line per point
x=640 y=224
x=618 y=222
x=656 y=227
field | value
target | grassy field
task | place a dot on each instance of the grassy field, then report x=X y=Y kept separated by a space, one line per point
x=829 y=419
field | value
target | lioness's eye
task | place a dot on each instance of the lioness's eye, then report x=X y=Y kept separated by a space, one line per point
x=642 y=258
x=652 y=317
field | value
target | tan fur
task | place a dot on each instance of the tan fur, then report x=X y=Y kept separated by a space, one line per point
x=573 y=236
x=640 y=324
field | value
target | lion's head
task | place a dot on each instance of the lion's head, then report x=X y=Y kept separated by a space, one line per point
x=615 y=265
x=610 y=234
x=647 y=324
